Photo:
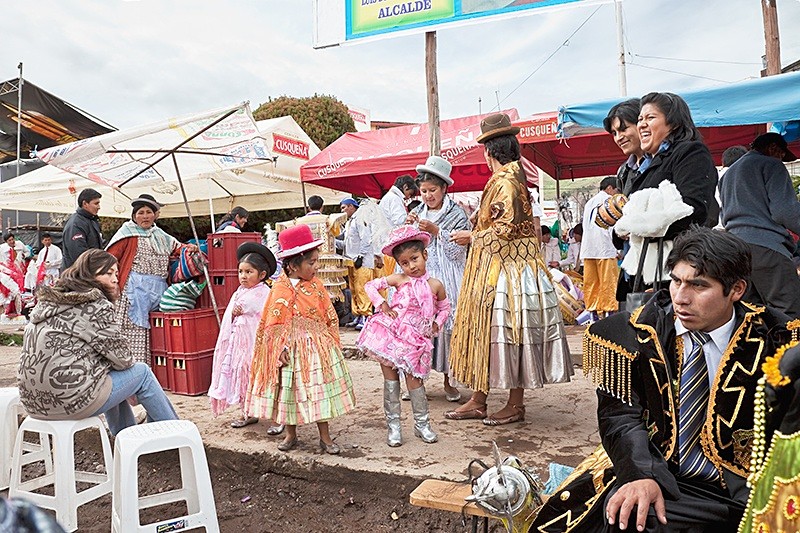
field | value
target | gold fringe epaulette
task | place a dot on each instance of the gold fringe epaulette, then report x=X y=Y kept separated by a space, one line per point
x=608 y=366
x=794 y=329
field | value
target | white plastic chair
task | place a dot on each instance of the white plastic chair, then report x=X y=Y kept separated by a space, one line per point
x=133 y=442
x=61 y=472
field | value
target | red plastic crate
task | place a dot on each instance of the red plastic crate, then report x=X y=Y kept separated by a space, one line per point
x=190 y=374
x=224 y=285
x=158 y=332
x=222 y=250
x=190 y=332
x=160 y=368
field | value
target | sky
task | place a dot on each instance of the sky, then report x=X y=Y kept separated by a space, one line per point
x=136 y=62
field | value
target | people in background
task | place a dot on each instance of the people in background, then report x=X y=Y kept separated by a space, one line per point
x=358 y=248
x=234 y=221
x=48 y=261
x=574 y=260
x=600 y=267
x=729 y=157
x=760 y=206
x=76 y=360
x=82 y=229
x=315 y=204
x=551 y=252
x=13 y=265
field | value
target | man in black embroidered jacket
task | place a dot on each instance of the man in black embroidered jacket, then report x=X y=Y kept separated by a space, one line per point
x=636 y=360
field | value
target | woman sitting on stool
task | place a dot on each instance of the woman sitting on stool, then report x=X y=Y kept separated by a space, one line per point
x=75 y=362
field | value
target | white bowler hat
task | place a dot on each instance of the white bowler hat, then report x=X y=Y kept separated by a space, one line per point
x=437 y=166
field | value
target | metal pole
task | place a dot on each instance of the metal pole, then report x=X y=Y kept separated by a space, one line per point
x=19 y=116
x=623 y=79
x=196 y=239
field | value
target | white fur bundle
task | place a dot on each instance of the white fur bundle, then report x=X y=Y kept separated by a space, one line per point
x=649 y=213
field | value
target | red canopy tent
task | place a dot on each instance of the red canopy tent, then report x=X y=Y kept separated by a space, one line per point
x=367 y=163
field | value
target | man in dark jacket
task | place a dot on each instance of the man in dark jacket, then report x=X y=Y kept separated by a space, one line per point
x=82 y=230
x=760 y=206
x=676 y=391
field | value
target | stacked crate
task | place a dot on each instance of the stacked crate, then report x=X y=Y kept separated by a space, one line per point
x=182 y=347
x=223 y=267
x=182 y=342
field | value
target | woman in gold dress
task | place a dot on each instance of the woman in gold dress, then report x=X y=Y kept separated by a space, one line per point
x=509 y=332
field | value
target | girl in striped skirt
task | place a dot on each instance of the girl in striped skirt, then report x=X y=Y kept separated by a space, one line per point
x=299 y=374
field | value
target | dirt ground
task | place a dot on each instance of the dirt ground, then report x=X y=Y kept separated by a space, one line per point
x=256 y=493
x=366 y=488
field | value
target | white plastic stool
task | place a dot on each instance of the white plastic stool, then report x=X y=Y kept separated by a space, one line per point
x=62 y=473
x=196 y=490
x=11 y=410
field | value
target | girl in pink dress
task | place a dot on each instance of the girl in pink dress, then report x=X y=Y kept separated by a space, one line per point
x=233 y=354
x=399 y=337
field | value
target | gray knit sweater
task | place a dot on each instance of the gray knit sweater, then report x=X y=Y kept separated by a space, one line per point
x=759 y=203
x=69 y=348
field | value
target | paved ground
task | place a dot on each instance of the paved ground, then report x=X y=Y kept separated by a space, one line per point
x=560 y=426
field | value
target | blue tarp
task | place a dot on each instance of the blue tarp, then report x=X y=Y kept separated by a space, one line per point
x=771 y=99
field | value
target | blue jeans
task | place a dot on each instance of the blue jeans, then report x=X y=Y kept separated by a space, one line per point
x=138 y=381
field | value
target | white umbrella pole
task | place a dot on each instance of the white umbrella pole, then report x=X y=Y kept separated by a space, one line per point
x=197 y=240
x=211 y=207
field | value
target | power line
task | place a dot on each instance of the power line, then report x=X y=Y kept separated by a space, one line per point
x=698 y=60
x=676 y=72
x=562 y=45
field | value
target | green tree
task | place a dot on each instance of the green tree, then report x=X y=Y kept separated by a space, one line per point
x=323 y=118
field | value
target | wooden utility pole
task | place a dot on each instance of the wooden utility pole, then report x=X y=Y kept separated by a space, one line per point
x=432 y=86
x=769 y=10
x=623 y=78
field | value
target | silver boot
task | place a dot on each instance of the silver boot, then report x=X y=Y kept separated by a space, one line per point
x=391 y=407
x=422 y=420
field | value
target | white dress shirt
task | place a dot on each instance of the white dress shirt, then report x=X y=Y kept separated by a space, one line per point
x=597 y=242
x=393 y=205
x=713 y=349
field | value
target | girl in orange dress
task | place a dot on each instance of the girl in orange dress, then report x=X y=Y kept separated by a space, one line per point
x=299 y=374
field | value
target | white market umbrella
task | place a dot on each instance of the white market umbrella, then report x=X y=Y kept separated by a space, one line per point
x=164 y=152
x=272 y=184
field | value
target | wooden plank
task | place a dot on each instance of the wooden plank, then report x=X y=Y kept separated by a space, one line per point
x=445 y=496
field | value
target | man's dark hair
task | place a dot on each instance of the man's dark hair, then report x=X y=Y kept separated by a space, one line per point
x=678 y=116
x=406 y=181
x=87 y=195
x=504 y=148
x=578 y=229
x=546 y=231
x=627 y=112
x=716 y=254
x=46 y=235
x=732 y=154
x=315 y=203
x=408 y=245
x=609 y=181
x=7 y=235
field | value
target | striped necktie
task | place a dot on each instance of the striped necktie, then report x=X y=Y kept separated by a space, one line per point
x=692 y=412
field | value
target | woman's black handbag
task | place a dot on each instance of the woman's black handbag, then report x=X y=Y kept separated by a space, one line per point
x=639 y=297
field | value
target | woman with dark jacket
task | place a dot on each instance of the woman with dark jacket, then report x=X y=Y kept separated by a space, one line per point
x=673 y=152
x=75 y=360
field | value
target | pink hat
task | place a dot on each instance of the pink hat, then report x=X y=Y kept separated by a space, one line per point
x=403 y=234
x=296 y=240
